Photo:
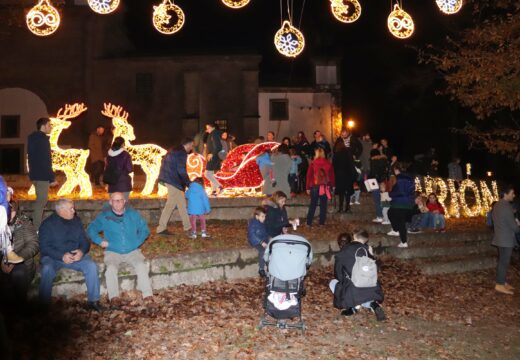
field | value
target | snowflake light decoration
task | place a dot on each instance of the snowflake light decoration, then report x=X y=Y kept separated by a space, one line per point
x=71 y=161
x=400 y=23
x=235 y=4
x=289 y=41
x=103 y=7
x=162 y=17
x=449 y=6
x=346 y=11
x=43 y=19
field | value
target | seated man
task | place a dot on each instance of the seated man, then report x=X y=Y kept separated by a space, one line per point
x=64 y=244
x=124 y=230
x=347 y=296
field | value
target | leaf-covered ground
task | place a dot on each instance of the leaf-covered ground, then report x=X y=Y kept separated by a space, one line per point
x=430 y=317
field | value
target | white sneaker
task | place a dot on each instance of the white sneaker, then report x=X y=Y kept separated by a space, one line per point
x=351 y=203
x=378 y=220
x=357 y=203
x=193 y=235
x=204 y=235
x=392 y=233
x=403 y=245
x=385 y=223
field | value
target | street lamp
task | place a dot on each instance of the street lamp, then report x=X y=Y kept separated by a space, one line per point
x=351 y=124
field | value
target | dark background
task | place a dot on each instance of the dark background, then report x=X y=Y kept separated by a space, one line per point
x=384 y=88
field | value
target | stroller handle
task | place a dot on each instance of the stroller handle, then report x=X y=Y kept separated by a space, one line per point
x=290 y=242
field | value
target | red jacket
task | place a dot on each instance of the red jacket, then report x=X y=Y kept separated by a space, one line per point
x=432 y=207
x=315 y=177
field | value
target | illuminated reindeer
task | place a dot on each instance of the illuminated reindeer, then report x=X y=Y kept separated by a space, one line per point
x=71 y=161
x=148 y=156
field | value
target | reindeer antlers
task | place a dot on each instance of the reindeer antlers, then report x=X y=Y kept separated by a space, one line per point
x=113 y=111
x=71 y=111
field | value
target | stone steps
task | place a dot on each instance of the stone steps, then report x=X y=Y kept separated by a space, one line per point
x=455 y=264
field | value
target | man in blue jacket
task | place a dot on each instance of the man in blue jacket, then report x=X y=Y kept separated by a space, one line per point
x=174 y=176
x=40 y=166
x=124 y=231
x=64 y=244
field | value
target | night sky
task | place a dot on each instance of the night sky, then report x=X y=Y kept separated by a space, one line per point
x=384 y=88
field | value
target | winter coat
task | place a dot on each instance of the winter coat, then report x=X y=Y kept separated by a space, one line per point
x=276 y=219
x=504 y=224
x=124 y=233
x=39 y=157
x=296 y=160
x=95 y=145
x=59 y=236
x=346 y=295
x=435 y=207
x=281 y=167
x=123 y=163
x=213 y=146
x=25 y=241
x=344 y=171
x=263 y=160
x=403 y=192
x=198 y=202
x=378 y=168
x=256 y=232
x=353 y=144
x=313 y=173
x=173 y=169
x=324 y=144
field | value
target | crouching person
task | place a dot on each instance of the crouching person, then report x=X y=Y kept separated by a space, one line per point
x=64 y=244
x=355 y=271
x=124 y=231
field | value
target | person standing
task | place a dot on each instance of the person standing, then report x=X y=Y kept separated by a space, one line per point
x=378 y=171
x=124 y=231
x=64 y=244
x=97 y=159
x=344 y=173
x=213 y=146
x=366 y=145
x=282 y=166
x=174 y=176
x=505 y=226
x=402 y=204
x=320 y=178
x=455 y=170
x=198 y=207
x=270 y=136
x=118 y=169
x=40 y=166
x=352 y=143
x=320 y=142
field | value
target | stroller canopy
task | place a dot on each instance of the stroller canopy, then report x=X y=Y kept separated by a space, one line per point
x=288 y=256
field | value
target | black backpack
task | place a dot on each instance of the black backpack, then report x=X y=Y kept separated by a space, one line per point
x=110 y=175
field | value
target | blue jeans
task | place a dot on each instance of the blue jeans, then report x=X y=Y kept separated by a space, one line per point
x=421 y=221
x=261 y=261
x=376 y=194
x=50 y=266
x=315 y=197
x=438 y=221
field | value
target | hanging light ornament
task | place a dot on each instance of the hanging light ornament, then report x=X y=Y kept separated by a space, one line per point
x=289 y=41
x=346 y=11
x=162 y=17
x=449 y=6
x=103 y=7
x=43 y=19
x=400 y=23
x=235 y=4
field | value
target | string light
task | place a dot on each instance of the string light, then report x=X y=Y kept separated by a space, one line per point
x=43 y=19
x=71 y=161
x=235 y=4
x=346 y=11
x=477 y=208
x=162 y=20
x=468 y=170
x=418 y=186
x=488 y=197
x=103 y=7
x=400 y=23
x=454 y=199
x=289 y=41
x=449 y=6
x=148 y=156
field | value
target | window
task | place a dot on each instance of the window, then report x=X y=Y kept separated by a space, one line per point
x=11 y=159
x=326 y=75
x=10 y=127
x=278 y=109
x=222 y=124
x=144 y=84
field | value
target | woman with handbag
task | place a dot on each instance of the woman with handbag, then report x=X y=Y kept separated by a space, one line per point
x=320 y=180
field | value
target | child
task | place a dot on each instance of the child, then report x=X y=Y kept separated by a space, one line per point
x=385 y=203
x=293 y=172
x=266 y=166
x=348 y=297
x=437 y=213
x=198 y=207
x=258 y=237
x=8 y=255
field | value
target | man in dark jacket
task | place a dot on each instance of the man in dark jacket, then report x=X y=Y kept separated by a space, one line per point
x=16 y=278
x=505 y=226
x=40 y=166
x=320 y=142
x=64 y=244
x=213 y=147
x=174 y=176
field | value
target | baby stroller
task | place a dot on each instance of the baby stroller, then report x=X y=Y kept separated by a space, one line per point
x=287 y=258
